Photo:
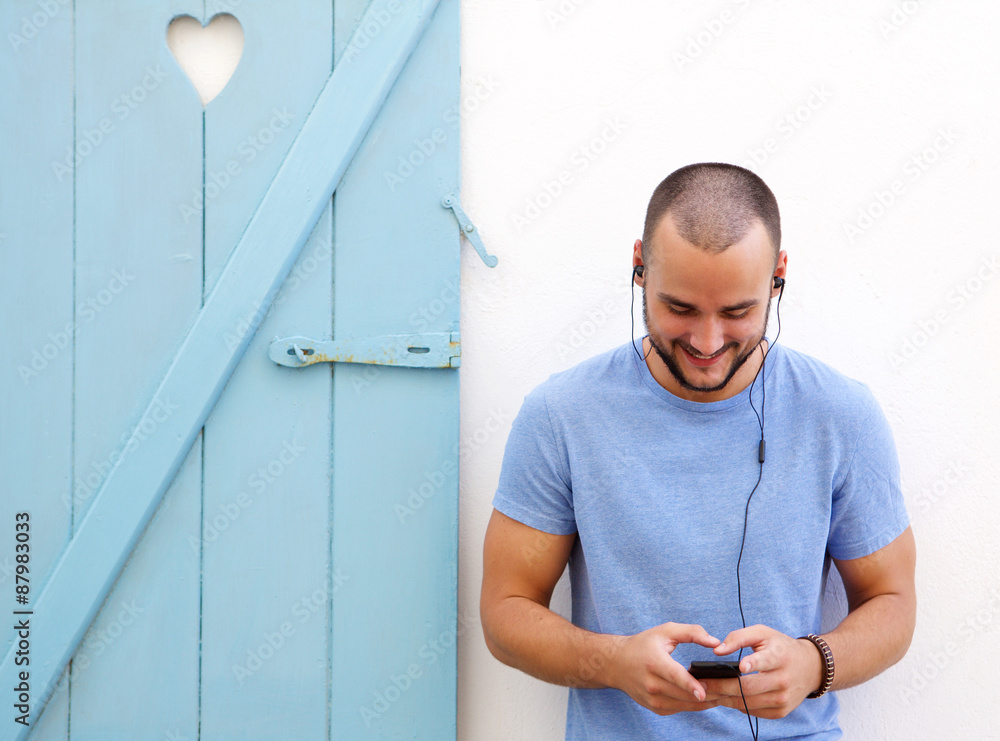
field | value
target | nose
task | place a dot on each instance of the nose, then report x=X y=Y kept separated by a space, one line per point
x=706 y=336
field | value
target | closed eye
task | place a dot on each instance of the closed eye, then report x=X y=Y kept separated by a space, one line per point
x=690 y=312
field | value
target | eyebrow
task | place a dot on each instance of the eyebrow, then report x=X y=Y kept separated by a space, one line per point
x=685 y=305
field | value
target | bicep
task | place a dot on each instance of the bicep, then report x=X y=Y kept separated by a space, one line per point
x=889 y=570
x=521 y=561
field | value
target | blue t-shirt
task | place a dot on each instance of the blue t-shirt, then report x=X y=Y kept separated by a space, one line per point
x=655 y=486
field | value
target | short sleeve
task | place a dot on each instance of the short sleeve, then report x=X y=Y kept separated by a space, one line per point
x=868 y=508
x=534 y=486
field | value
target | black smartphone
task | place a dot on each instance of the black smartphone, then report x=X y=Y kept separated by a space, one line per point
x=714 y=669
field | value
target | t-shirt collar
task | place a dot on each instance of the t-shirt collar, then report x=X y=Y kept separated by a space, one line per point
x=642 y=370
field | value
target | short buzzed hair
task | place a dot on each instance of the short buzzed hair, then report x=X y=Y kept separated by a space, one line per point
x=713 y=204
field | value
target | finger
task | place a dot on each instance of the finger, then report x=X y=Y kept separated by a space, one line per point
x=769 y=658
x=674 y=706
x=744 y=638
x=688 y=633
x=681 y=694
x=712 y=697
x=753 y=685
x=678 y=683
x=758 y=704
x=776 y=653
x=691 y=707
x=736 y=703
x=722 y=687
x=709 y=693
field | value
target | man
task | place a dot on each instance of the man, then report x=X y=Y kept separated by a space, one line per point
x=640 y=472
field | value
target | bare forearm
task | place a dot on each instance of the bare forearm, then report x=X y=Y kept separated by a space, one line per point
x=527 y=636
x=872 y=637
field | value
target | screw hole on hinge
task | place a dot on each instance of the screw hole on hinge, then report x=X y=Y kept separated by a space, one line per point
x=420 y=350
x=305 y=351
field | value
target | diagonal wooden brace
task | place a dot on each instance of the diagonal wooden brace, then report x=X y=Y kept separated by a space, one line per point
x=91 y=562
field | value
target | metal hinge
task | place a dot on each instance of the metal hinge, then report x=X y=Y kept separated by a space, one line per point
x=468 y=228
x=426 y=350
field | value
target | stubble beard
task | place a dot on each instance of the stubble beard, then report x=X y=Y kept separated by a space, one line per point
x=670 y=360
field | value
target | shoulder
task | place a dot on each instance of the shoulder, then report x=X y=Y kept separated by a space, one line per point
x=594 y=376
x=816 y=386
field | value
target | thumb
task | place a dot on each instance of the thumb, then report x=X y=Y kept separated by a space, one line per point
x=689 y=633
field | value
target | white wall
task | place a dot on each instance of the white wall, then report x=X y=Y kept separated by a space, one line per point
x=830 y=104
x=562 y=69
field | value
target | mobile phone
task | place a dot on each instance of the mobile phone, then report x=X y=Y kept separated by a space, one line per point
x=714 y=669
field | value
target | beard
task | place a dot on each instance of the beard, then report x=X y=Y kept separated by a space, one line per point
x=669 y=357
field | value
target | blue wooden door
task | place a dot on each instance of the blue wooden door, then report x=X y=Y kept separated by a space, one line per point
x=293 y=575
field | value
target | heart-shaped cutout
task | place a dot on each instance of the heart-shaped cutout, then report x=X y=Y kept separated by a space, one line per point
x=207 y=54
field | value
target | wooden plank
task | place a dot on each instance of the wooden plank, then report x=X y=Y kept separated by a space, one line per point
x=37 y=318
x=267 y=442
x=394 y=652
x=266 y=252
x=135 y=252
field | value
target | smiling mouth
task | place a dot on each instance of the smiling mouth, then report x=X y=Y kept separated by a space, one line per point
x=703 y=360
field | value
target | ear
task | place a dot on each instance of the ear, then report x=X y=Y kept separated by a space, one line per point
x=637 y=260
x=780 y=271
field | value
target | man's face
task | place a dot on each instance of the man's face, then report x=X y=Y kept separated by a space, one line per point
x=707 y=312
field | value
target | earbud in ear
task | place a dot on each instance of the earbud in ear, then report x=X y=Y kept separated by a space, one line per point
x=778 y=282
x=638 y=270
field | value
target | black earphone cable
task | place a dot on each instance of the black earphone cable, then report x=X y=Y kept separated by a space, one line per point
x=637 y=270
x=754 y=729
